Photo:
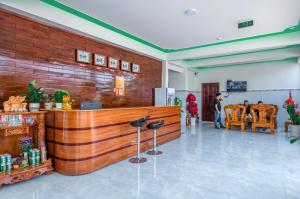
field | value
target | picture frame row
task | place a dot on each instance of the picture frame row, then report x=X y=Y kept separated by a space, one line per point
x=83 y=56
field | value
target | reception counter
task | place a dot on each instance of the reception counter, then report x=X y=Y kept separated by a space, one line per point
x=82 y=141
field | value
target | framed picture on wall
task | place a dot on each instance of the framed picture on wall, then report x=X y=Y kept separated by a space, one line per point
x=125 y=65
x=113 y=63
x=83 y=56
x=99 y=60
x=135 y=68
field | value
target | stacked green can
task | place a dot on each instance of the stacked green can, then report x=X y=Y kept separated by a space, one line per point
x=5 y=163
x=34 y=157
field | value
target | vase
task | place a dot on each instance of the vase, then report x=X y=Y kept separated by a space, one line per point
x=193 y=121
x=58 y=105
x=295 y=130
x=34 y=107
x=48 y=105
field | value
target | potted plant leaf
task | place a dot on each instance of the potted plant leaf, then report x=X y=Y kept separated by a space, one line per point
x=49 y=102
x=58 y=97
x=292 y=109
x=34 y=96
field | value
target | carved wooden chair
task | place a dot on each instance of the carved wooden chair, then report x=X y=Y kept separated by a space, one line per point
x=275 y=115
x=235 y=116
x=263 y=116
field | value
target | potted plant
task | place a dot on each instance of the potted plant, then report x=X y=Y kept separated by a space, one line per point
x=292 y=109
x=34 y=96
x=49 y=102
x=192 y=108
x=58 y=97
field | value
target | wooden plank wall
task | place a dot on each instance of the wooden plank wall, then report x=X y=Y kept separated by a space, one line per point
x=33 y=50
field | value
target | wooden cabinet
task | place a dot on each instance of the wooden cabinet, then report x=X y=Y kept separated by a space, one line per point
x=9 y=139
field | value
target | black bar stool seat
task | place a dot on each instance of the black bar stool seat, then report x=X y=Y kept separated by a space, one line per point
x=155 y=125
x=138 y=124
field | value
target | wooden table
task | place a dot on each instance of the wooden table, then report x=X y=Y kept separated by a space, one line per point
x=82 y=141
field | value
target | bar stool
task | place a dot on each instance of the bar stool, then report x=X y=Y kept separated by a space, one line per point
x=138 y=124
x=155 y=125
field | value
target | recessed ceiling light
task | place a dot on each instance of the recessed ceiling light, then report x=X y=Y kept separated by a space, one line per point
x=190 y=11
x=219 y=38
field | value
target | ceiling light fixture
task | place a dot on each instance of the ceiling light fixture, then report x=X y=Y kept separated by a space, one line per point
x=190 y=11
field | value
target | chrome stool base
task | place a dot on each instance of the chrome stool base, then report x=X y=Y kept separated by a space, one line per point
x=153 y=152
x=137 y=160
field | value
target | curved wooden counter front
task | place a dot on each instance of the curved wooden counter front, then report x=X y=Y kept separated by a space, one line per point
x=83 y=141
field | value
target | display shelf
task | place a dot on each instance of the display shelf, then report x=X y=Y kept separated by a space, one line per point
x=11 y=134
x=22 y=113
x=15 y=130
x=22 y=174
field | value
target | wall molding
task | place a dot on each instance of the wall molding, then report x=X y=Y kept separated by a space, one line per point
x=266 y=90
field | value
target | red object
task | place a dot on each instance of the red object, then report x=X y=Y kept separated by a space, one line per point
x=290 y=101
x=192 y=108
x=190 y=97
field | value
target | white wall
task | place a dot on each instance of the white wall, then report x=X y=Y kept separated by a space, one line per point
x=262 y=76
x=269 y=82
x=177 y=80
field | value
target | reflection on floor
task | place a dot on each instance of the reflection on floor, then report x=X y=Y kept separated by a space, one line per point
x=203 y=163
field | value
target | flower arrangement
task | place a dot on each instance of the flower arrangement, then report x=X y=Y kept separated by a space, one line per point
x=190 y=97
x=26 y=143
x=192 y=106
x=292 y=109
x=192 y=109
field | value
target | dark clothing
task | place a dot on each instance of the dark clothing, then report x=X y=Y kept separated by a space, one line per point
x=218 y=103
x=247 y=110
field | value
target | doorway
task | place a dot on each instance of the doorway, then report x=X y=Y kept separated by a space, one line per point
x=209 y=91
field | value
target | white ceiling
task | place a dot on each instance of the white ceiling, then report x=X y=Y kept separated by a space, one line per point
x=162 y=22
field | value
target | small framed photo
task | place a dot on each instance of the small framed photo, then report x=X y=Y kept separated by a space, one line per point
x=83 y=56
x=135 y=68
x=113 y=63
x=125 y=65
x=99 y=60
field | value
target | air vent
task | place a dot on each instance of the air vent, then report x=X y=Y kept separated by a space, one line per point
x=245 y=24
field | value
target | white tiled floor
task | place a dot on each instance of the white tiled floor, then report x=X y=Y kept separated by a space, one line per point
x=203 y=163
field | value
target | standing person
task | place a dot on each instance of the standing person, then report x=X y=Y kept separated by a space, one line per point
x=217 y=111
x=248 y=114
x=247 y=106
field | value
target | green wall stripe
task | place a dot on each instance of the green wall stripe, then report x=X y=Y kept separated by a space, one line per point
x=128 y=35
x=294 y=59
x=244 y=53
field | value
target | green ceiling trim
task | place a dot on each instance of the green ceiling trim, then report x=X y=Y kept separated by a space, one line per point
x=288 y=30
x=131 y=36
x=292 y=59
x=243 y=53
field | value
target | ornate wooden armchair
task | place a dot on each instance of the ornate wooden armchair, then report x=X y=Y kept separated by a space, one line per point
x=275 y=115
x=263 y=115
x=235 y=116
